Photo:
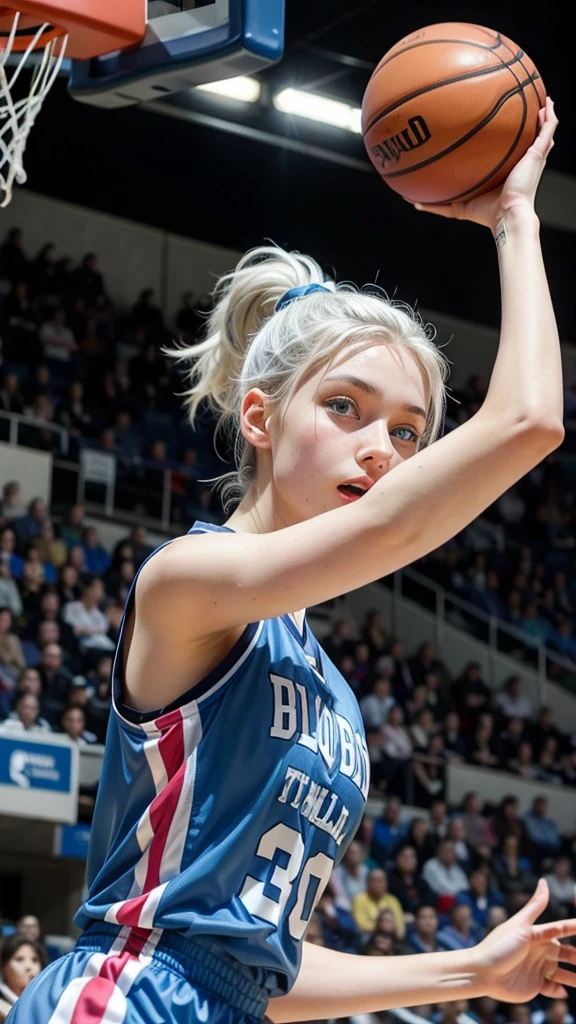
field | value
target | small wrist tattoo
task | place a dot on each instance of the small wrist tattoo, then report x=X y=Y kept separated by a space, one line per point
x=500 y=233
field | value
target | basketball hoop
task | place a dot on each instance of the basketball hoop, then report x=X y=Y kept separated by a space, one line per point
x=38 y=34
x=18 y=116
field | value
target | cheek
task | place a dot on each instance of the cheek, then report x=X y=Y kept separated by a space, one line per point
x=305 y=443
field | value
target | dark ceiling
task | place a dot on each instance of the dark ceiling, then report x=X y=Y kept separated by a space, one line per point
x=234 y=191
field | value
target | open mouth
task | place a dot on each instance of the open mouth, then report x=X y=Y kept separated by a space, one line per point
x=351 y=492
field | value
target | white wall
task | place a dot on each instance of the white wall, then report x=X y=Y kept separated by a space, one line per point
x=494 y=785
x=132 y=256
x=32 y=469
x=129 y=254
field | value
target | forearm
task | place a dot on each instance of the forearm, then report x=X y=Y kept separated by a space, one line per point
x=527 y=374
x=332 y=984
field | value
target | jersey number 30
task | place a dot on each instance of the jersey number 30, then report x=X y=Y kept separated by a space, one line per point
x=268 y=899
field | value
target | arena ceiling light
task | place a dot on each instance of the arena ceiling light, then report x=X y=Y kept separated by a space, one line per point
x=319 y=108
x=242 y=88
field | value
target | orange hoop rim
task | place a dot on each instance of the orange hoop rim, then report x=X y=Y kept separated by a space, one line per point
x=24 y=37
x=92 y=27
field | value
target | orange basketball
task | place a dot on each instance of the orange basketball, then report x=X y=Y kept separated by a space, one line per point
x=449 y=110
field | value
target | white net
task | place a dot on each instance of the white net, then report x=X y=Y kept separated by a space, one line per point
x=17 y=116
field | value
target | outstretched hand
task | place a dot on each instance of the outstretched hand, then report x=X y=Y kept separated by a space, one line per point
x=520 y=960
x=520 y=186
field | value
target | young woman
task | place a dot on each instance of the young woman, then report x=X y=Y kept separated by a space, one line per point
x=235 y=772
x=21 y=960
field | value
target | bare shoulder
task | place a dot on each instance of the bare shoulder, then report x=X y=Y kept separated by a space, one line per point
x=168 y=646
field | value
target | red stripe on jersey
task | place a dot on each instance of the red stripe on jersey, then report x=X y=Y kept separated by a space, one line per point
x=95 y=996
x=162 y=812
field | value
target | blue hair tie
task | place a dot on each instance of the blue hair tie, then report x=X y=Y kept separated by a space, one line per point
x=297 y=293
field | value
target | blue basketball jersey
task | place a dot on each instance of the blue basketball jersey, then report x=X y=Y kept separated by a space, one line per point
x=222 y=815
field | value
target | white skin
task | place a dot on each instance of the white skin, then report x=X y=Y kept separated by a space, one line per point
x=29 y=925
x=21 y=969
x=331 y=432
x=296 y=542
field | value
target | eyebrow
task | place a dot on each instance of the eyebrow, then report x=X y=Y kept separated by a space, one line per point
x=369 y=389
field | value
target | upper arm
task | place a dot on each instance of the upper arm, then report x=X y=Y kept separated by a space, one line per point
x=233 y=578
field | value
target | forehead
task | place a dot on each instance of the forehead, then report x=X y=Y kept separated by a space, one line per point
x=390 y=368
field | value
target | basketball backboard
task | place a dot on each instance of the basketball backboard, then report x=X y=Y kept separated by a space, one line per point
x=187 y=43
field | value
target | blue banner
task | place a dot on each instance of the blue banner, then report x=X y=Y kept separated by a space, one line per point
x=29 y=764
x=72 y=841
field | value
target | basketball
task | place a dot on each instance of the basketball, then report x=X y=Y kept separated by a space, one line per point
x=449 y=111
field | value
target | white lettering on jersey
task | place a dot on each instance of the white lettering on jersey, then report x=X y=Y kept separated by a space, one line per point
x=293 y=775
x=298 y=714
x=323 y=808
x=285 y=719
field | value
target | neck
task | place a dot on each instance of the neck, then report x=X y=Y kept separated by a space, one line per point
x=257 y=514
x=262 y=509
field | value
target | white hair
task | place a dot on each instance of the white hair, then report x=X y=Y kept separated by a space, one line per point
x=247 y=344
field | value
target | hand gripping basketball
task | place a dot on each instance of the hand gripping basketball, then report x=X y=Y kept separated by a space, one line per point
x=520 y=187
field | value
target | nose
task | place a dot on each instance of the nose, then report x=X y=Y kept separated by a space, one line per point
x=375 y=455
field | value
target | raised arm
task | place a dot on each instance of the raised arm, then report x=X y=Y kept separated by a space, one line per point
x=235 y=578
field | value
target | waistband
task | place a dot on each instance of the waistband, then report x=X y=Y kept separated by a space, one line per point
x=227 y=979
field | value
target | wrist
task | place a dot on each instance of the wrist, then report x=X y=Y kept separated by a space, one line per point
x=517 y=217
x=479 y=970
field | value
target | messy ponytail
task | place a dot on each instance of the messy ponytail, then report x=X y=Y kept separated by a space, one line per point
x=246 y=344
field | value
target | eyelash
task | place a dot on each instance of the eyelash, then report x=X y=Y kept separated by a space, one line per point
x=332 y=401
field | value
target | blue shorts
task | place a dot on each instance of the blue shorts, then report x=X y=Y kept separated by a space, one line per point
x=131 y=976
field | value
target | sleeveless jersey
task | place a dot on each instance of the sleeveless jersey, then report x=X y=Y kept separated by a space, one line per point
x=222 y=815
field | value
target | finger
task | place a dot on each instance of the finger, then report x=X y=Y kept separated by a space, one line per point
x=548 y=123
x=560 y=976
x=537 y=903
x=553 y=991
x=451 y=210
x=554 y=930
x=566 y=954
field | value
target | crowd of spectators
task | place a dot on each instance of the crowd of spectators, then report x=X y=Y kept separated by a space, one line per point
x=69 y=358
x=62 y=594
x=419 y=717
x=522 y=571
x=411 y=881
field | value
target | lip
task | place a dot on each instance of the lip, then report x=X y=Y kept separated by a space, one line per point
x=350 y=497
x=360 y=481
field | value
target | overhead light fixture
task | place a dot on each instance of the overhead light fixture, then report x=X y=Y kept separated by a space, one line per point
x=242 y=88
x=319 y=108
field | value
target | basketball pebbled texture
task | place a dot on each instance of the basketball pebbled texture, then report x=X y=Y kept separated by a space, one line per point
x=449 y=110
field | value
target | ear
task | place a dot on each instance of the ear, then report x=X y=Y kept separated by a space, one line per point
x=255 y=419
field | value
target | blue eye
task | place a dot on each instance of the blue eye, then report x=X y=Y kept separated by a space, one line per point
x=413 y=435
x=347 y=403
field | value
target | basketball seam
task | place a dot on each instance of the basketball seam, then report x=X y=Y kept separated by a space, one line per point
x=438 y=85
x=429 y=42
x=519 y=88
x=462 y=195
x=531 y=78
x=526 y=71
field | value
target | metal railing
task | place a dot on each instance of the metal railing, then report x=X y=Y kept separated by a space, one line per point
x=124 y=498
x=501 y=637
x=16 y=420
